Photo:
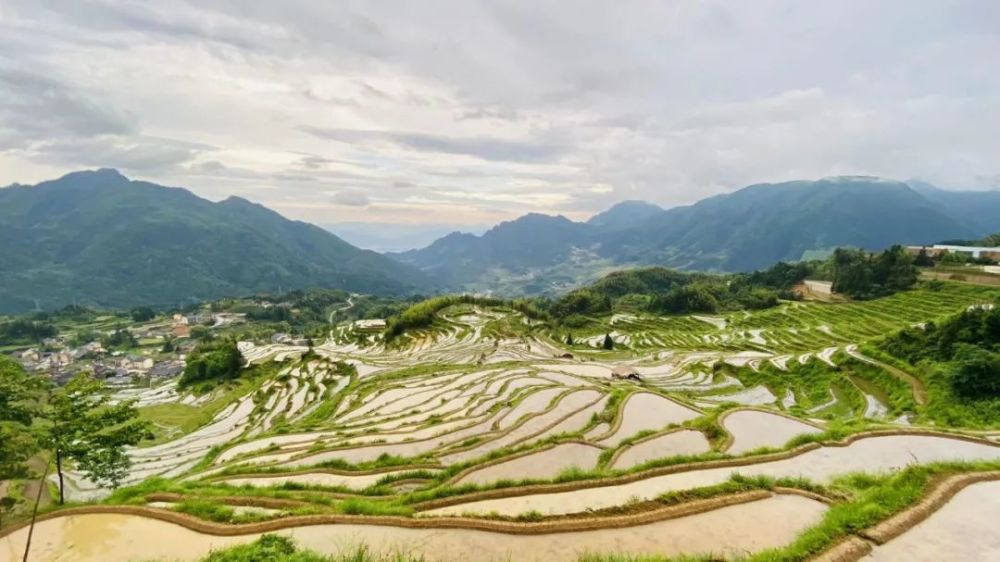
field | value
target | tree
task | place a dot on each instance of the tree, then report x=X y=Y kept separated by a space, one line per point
x=923 y=259
x=7 y=504
x=978 y=374
x=608 y=342
x=696 y=297
x=19 y=396
x=142 y=314
x=88 y=429
x=213 y=361
x=861 y=275
x=168 y=346
x=23 y=330
x=201 y=333
x=569 y=339
x=121 y=338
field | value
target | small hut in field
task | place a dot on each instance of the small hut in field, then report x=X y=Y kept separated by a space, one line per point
x=626 y=372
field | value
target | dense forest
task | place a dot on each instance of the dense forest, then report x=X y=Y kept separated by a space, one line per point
x=968 y=342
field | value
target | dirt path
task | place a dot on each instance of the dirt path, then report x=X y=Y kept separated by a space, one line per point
x=919 y=392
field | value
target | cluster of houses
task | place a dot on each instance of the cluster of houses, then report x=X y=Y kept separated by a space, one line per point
x=288 y=339
x=116 y=367
x=181 y=324
x=974 y=252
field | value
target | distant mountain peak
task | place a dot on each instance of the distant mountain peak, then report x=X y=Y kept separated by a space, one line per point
x=102 y=173
x=859 y=178
x=625 y=214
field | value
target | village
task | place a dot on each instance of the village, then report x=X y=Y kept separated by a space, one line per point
x=127 y=354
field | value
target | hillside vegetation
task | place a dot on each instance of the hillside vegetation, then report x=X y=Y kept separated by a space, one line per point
x=748 y=229
x=99 y=239
x=855 y=273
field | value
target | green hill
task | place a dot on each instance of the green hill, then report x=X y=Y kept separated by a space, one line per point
x=766 y=223
x=749 y=229
x=97 y=238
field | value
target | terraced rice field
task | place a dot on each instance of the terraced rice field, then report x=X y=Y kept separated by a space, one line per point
x=732 y=530
x=484 y=419
x=950 y=533
x=876 y=454
x=674 y=443
x=752 y=429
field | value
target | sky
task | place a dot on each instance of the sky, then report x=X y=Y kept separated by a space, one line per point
x=464 y=113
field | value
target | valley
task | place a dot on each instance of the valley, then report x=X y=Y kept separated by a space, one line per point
x=482 y=433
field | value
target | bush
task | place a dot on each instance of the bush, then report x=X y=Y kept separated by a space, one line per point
x=212 y=362
x=978 y=373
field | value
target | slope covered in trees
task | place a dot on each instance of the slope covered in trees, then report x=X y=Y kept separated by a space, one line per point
x=856 y=273
x=99 y=239
x=748 y=229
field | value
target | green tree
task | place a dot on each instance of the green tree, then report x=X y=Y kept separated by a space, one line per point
x=19 y=399
x=88 y=429
x=861 y=275
x=569 y=338
x=923 y=259
x=7 y=504
x=213 y=361
x=608 y=342
x=978 y=373
x=168 y=346
x=121 y=338
x=201 y=333
x=142 y=314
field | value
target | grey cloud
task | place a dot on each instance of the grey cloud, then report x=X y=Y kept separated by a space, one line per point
x=314 y=162
x=351 y=198
x=40 y=107
x=138 y=155
x=209 y=166
x=500 y=114
x=486 y=148
x=668 y=102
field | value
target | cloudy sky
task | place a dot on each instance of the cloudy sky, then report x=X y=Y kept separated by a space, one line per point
x=468 y=112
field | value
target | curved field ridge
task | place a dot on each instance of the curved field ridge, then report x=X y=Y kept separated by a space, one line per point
x=671 y=444
x=871 y=453
x=315 y=478
x=537 y=465
x=752 y=429
x=732 y=525
x=955 y=521
x=644 y=410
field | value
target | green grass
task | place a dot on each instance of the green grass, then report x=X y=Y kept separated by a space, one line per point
x=275 y=548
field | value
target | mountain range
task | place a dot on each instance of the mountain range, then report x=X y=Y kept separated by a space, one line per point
x=748 y=229
x=97 y=238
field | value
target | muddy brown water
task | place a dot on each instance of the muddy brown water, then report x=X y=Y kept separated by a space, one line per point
x=730 y=530
x=965 y=528
x=752 y=429
x=873 y=455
